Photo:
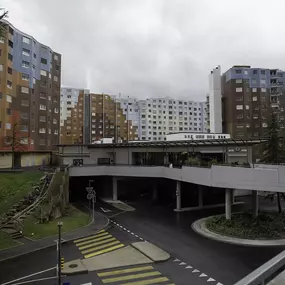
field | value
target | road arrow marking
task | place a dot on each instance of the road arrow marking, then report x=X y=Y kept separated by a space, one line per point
x=195 y=271
x=136 y=236
x=219 y=283
x=203 y=275
x=176 y=260
x=188 y=267
x=105 y=210
x=182 y=263
x=211 y=280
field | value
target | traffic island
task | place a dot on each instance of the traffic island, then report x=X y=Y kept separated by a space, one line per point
x=268 y=229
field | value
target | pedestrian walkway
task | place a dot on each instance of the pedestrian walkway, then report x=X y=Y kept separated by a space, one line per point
x=97 y=244
x=141 y=275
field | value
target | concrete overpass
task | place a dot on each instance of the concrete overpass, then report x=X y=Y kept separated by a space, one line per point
x=125 y=160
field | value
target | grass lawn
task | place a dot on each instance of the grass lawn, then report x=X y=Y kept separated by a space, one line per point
x=14 y=186
x=75 y=220
x=267 y=225
x=6 y=241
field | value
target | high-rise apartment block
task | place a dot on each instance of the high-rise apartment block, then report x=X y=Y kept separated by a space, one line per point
x=249 y=95
x=87 y=117
x=29 y=92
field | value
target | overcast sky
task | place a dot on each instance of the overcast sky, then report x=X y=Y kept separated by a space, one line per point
x=153 y=48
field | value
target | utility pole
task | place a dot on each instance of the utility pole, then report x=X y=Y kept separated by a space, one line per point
x=103 y=116
x=59 y=225
x=128 y=120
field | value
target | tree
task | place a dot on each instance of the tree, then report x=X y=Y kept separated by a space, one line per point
x=274 y=148
x=3 y=26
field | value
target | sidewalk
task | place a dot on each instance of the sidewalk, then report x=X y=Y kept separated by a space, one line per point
x=101 y=222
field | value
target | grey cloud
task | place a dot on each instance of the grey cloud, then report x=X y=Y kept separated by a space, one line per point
x=153 y=47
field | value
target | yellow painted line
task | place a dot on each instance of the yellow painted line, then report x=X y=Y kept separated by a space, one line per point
x=131 y=277
x=148 y=282
x=122 y=271
x=96 y=243
x=94 y=240
x=100 y=247
x=104 y=250
x=90 y=237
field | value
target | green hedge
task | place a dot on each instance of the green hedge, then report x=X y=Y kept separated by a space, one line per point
x=242 y=225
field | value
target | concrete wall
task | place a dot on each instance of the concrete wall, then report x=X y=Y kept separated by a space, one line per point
x=272 y=180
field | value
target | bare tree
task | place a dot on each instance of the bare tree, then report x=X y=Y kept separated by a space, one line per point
x=3 y=26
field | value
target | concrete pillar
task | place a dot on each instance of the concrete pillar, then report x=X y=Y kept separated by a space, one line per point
x=233 y=196
x=254 y=203
x=200 y=195
x=228 y=204
x=115 y=189
x=154 y=193
x=178 y=195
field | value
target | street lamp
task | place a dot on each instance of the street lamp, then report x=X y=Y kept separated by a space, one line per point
x=59 y=226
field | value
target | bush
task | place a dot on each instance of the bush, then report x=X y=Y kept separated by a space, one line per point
x=242 y=225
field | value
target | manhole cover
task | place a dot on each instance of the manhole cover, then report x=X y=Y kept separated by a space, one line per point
x=73 y=265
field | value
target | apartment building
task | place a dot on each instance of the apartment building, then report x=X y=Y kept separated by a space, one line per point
x=29 y=92
x=87 y=118
x=249 y=95
x=161 y=116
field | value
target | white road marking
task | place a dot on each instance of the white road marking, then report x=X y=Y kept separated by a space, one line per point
x=188 y=267
x=136 y=236
x=35 y=280
x=141 y=238
x=124 y=229
x=128 y=231
x=195 y=271
x=182 y=263
x=25 y=277
x=132 y=233
x=219 y=283
x=203 y=275
x=175 y=260
x=211 y=279
x=87 y=283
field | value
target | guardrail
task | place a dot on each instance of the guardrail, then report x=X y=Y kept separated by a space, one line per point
x=266 y=272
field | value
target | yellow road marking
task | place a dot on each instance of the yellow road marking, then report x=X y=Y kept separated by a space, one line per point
x=104 y=250
x=96 y=243
x=91 y=237
x=94 y=240
x=130 y=277
x=148 y=282
x=128 y=270
x=100 y=247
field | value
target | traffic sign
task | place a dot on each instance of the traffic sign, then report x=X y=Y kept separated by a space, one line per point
x=89 y=189
x=90 y=196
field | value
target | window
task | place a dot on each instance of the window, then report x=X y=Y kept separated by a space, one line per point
x=25 y=103
x=24 y=115
x=55 y=57
x=24 y=128
x=9 y=84
x=254 y=98
x=8 y=126
x=43 y=107
x=262 y=81
x=255 y=71
x=262 y=72
x=42 y=118
x=55 y=78
x=9 y=98
x=254 y=89
x=10 y=43
x=25 y=90
x=238 y=71
x=43 y=61
x=239 y=107
x=239 y=89
x=10 y=71
x=42 y=130
x=35 y=56
x=264 y=125
x=26 y=77
x=25 y=64
x=1 y=67
x=43 y=73
x=10 y=56
x=245 y=72
x=2 y=40
x=56 y=110
x=24 y=141
x=239 y=99
x=9 y=111
x=238 y=80
x=247 y=107
x=42 y=141
x=26 y=40
x=55 y=121
x=263 y=90
x=43 y=95
x=26 y=52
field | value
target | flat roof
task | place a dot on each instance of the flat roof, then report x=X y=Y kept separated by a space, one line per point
x=216 y=142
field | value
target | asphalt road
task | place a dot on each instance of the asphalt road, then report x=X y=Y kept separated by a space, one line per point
x=172 y=231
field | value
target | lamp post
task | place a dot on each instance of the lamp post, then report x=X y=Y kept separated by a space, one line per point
x=59 y=225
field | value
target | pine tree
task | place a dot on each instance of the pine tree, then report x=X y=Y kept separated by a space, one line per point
x=274 y=149
x=3 y=26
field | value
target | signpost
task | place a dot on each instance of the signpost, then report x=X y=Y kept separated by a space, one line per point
x=91 y=196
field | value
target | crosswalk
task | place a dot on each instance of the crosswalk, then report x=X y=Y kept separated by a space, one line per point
x=100 y=243
x=141 y=275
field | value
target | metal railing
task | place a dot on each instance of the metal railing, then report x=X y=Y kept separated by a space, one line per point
x=266 y=272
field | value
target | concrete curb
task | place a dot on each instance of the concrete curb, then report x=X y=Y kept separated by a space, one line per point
x=199 y=227
x=65 y=240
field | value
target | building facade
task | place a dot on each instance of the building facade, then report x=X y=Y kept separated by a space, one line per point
x=249 y=95
x=29 y=92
